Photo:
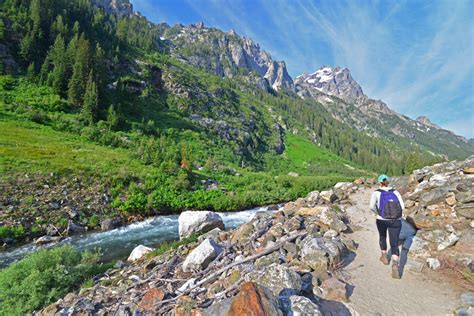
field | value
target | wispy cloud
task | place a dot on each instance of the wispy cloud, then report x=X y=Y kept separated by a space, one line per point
x=417 y=56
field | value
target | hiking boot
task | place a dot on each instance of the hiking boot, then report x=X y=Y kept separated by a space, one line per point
x=395 y=270
x=384 y=259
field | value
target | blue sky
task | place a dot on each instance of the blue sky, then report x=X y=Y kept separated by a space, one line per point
x=417 y=56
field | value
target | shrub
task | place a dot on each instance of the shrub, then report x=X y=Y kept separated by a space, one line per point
x=43 y=277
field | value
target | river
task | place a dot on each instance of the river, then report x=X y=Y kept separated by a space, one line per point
x=118 y=243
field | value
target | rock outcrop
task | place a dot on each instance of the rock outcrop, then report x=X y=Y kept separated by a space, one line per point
x=440 y=203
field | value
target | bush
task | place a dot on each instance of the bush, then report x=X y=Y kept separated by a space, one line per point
x=43 y=277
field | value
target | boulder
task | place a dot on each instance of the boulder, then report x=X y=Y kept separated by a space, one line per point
x=466 y=211
x=138 y=252
x=359 y=181
x=73 y=228
x=254 y=299
x=280 y=279
x=110 y=224
x=434 y=196
x=334 y=289
x=328 y=196
x=313 y=197
x=310 y=211
x=198 y=222
x=331 y=218
x=202 y=256
x=299 y=306
x=318 y=253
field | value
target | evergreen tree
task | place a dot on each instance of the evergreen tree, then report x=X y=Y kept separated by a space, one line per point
x=79 y=72
x=57 y=78
x=113 y=118
x=30 y=72
x=91 y=100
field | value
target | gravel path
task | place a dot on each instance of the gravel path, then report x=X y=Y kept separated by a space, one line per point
x=375 y=292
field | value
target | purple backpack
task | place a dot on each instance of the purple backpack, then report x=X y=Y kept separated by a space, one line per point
x=390 y=207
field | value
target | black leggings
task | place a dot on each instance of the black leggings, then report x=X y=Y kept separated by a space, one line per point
x=394 y=227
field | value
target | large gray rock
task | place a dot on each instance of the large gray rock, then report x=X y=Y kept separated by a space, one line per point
x=434 y=196
x=280 y=279
x=110 y=224
x=299 y=306
x=202 y=256
x=198 y=222
x=318 y=253
x=73 y=228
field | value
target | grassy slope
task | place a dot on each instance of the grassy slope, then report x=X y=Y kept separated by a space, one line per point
x=30 y=147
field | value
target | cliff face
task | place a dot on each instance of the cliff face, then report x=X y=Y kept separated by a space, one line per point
x=227 y=55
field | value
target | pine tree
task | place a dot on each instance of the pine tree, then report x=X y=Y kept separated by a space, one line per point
x=58 y=27
x=79 y=72
x=57 y=78
x=30 y=72
x=113 y=118
x=91 y=100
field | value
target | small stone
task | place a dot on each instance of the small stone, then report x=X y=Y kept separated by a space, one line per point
x=448 y=242
x=47 y=239
x=330 y=233
x=451 y=199
x=293 y=174
x=138 y=252
x=433 y=263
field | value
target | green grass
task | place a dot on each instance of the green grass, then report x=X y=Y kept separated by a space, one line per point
x=30 y=147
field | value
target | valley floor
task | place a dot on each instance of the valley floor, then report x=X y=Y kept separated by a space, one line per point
x=374 y=290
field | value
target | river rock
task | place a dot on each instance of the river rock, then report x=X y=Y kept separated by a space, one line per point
x=138 y=252
x=109 y=224
x=202 y=256
x=254 y=299
x=331 y=218
x=312 y=197
x=198 y=222
x=280 y=279
x=73 y=228
x=299 y=306
x=47 y=239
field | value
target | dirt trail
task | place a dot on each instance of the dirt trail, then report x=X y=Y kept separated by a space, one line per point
x=375 y=292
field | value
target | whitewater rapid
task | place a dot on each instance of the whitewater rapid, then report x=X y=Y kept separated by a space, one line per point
x=118 y=243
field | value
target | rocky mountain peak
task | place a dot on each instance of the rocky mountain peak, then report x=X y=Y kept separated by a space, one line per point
x=426 y=121
x=121 y=7
x=332 y=81
x=227 y=54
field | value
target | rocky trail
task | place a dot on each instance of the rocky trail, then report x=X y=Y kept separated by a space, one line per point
x=374 y=290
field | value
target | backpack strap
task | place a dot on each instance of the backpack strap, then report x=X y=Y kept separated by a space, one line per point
x=380 y=190
x=391 y=190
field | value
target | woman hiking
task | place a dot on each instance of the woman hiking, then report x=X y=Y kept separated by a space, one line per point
x=387 y=203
